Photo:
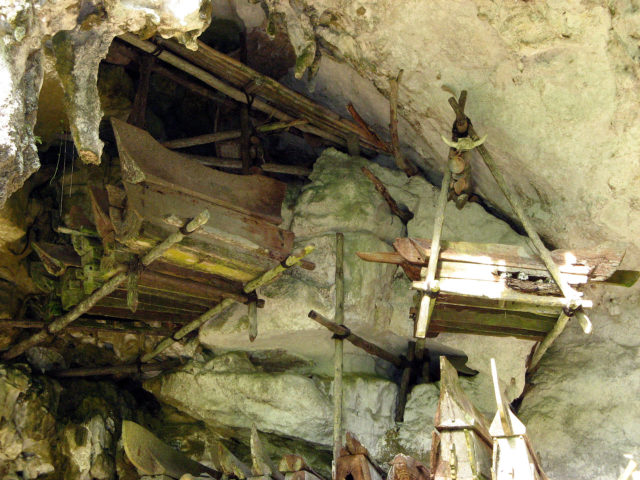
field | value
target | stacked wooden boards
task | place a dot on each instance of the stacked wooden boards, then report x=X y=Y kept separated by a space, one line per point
x=493 y=289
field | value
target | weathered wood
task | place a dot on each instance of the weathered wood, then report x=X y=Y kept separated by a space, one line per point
x=133 y=368
x=402 y=163
x=404 y=467
x=56 y=258
x=428 y=300
x=226 y=227
x=598 y=264
x=338 y=349
x=120 y=275
x=515 y=203
x=143 y=159
x=541 y=349
x=405 y=382
x=232 y=92
x=139 y=107
x=151 y=456
x=366 y=130
x=357 y=340
x=261 y=463
x=260 y=281
x=393 y=205
x=229 y=135
x=252 y=312
x=233 y=164
x=498 y=291
x=92 y=326
x=195 y=87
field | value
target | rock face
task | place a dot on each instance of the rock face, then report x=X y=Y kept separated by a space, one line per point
x=582 y=411
x=554 y=86
x=78 y=35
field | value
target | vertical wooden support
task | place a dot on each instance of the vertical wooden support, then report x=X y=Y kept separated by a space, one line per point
x=429 y=299
x=338 y=352
x=253 y=319
x=245 y=154
x=401 y=162
x=405 y=382
x=137 y=117
x=554 y=333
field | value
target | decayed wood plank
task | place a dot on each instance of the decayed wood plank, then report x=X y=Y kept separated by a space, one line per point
x=143 y=159
x=449 y=314
x=598 y=264
x=236 y=229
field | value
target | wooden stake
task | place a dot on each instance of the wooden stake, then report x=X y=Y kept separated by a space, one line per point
x=122 y=273
x=401 y=162
x=338 y=350
x=254 y=284
x=542 y=348
x=404 y=216
x=357 y=340
x=428 y=300
x=253 y=320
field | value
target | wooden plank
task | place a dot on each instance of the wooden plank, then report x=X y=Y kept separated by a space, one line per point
x=598 y=264
x=437 y=328
x=143 y=159
x=140 y=315
x=498 y=291
x=517 y=320
x=501 y=305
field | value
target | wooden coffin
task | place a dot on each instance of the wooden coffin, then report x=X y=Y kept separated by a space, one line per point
x=355 y=462
x=461 y=445
x=500 y=290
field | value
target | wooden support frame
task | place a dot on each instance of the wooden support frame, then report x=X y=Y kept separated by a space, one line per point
x=122 y=273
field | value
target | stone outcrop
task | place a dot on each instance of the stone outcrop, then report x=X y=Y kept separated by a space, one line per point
x=77 y=35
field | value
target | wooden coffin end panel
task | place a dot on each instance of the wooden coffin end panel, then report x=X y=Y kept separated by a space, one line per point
x=143 y=159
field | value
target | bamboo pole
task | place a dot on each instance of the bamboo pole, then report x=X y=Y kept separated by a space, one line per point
x=338 y=349
x=542 y=348
x=251 y=286
x=428 y=299
x=401 y=162
x=393 y=205
x=115 y=369
x=358 y=341
x=514 y=201
x=225 y=88
x=122 y=273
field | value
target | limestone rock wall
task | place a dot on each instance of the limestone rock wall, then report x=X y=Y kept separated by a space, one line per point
x=77 y=35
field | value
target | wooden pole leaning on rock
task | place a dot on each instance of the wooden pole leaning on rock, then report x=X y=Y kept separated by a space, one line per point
x=338 y=349
x=122 y=274
x=405 y=382
x=260 y=281
x=344 y=332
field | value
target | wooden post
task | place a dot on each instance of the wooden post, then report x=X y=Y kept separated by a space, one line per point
x=262 y=280
x=339 y=350
x=393 y=205
x=429 y=299
x=253 y=319
x=139 y=107
x=405 y=382
x=122 y=274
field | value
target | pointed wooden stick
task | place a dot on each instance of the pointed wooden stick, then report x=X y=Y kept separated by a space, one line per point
x=122 y=273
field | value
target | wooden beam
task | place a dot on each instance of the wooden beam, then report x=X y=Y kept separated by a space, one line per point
x=132 y=368
x=357 y=340
x=405 y=382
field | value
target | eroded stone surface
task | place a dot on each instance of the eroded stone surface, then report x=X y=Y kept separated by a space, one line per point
x=80 y=34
